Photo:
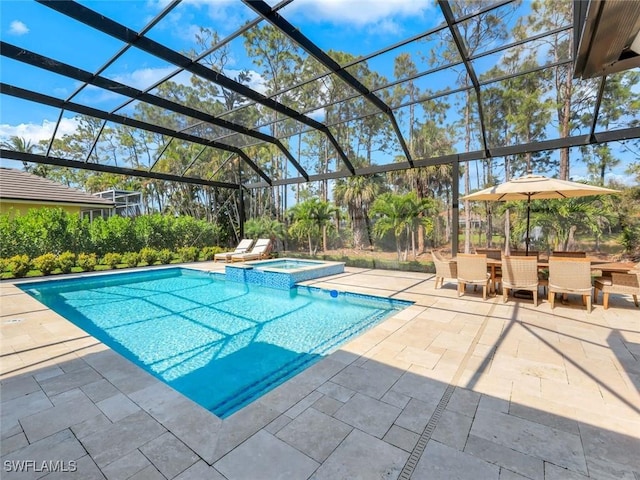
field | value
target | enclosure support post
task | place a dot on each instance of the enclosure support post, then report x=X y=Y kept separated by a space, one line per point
x=240 y=203
x=455 y=221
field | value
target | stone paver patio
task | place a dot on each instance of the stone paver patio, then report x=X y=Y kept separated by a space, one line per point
x=449 y=388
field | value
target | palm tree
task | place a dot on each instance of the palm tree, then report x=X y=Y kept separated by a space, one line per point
x=20 y=144
x=265 y=228
x=312 y=218
x=357 y=193
x=401 y=214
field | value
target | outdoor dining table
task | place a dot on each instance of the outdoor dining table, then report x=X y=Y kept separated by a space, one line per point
x=606 y=267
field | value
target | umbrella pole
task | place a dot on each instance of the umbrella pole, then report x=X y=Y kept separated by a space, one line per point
x=527 y=237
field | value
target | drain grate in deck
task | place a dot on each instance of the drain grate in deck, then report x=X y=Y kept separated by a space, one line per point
x=418 y=450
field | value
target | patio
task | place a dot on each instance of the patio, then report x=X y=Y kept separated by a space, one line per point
x=448 y=388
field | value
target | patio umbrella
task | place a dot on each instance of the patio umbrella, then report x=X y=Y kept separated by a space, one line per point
x=534 y=187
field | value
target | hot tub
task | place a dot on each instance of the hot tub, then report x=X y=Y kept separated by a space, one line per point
x=282 y=273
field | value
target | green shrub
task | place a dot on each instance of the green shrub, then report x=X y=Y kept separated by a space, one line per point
x=4 y=264
x=46 y=263
x=66 y=261
x=132 y=259
x=87 y=261
x=19 y=265
x=188 y=254
x=165 y=256
x=112 y=259
x=207 y=253
x=149 y=255
x=49 y=230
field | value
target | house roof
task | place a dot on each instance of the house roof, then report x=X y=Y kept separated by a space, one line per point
x=20 y=186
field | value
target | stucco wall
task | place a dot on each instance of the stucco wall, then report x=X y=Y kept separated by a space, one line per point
x=21 y=208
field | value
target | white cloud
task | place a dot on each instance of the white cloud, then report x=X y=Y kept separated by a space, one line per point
x=627 y=180
x=34 y=132
x=18 y=28
x=256 y=81
x=359 y=12
x=143 y=78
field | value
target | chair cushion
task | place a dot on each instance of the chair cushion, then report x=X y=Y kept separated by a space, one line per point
x=603 y=280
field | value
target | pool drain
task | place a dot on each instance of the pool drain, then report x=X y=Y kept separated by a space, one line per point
x=418 y=450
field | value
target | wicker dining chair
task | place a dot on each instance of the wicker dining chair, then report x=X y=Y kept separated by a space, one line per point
x=445 y=269
x=494 y=253
x=567 y=254
x=621 y=283
x=472 y=269
x=520 y=273
x=570 y=275
x=523 y=253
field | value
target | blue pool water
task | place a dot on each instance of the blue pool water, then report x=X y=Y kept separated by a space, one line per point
x=221 y=343
x=287 y=264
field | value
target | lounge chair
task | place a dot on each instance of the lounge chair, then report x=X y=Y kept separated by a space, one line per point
x=243 y=247
x=262 y=249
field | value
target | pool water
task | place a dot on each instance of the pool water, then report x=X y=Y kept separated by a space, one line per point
x=287 y=264
x=223 y=344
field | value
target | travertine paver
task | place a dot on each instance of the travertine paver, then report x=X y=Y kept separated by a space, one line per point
x=122 y=437
x=372 y=382
x=362 y=457
x=539 y=394
x=126 y=466
x=442 y=461
x=265 y=456
x=199 y=471
x=537 y=440
x=169 y=455
x=315 y=433
x=401 y=438
x=57 y=418
x=61 y=446
x=368 y=414
x=526 y=465
x=453 y=429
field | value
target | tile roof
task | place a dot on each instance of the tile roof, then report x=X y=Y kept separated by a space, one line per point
x=19 y=185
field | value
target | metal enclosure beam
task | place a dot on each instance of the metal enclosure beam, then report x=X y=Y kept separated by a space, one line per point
x=131 y=122
x=110 y=27
x=263 y=9
x=459 y=41
x=97 y=167
x=596 y=107
x=25 y=56
x=533 y=147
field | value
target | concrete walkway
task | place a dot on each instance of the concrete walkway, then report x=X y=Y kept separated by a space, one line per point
x=449 y=388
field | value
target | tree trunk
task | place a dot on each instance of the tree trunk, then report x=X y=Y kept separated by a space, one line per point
x=420 y=238
x=324 y=238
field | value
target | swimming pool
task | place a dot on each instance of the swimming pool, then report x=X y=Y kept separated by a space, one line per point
x=223 y=344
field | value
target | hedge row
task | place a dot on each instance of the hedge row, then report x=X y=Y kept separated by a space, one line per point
x=53 y=230
x=20 y=265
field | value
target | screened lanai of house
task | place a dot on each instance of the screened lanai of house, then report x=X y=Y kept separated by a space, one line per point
x=270 y=95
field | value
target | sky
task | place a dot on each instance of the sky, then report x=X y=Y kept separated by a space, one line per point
x=359 y=27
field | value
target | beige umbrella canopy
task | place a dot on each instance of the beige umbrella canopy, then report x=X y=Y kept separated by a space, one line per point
x=534 y=187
